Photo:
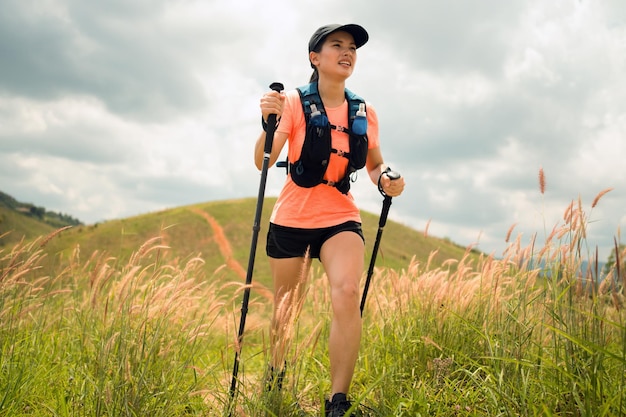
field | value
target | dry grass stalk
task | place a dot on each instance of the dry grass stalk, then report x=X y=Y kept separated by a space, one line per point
x=20 y=260
x=431 y=257
x=513 y=247
x=490 y=284
x=551 y=236
x=286 y=315
x=605 y=286
x=583 y=221
x=567 y=214
x=99 y=276
x=51 y=236
x=144 y=249
x=542 y=181
x=142 y=292
x=22 y=288
x=619 y=261
x=508 y=233
x=599 y=196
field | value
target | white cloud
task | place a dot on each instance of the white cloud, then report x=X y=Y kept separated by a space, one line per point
x=116 y=108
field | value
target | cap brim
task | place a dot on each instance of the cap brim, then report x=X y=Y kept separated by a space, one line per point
x=359 y=34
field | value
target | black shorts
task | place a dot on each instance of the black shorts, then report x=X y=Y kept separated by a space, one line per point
x=292 y=242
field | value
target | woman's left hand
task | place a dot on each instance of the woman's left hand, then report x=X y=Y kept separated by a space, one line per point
x=392 y=188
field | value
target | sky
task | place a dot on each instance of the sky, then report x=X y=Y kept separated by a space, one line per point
x=125 y=107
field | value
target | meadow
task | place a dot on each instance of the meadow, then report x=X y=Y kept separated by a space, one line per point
x=527 y=334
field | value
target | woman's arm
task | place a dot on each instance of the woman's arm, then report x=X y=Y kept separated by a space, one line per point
x=376 y=167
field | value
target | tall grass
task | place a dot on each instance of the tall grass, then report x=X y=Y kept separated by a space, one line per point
x=530 y=334
x=98 y=341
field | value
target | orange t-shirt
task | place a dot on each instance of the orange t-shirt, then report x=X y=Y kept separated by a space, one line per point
x=322 y=205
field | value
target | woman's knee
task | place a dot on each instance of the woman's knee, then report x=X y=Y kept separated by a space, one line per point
x=345 y=293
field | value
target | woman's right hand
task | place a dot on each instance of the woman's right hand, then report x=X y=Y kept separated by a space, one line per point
x=272 y=102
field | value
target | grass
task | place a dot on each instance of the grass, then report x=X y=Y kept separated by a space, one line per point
x=154 y=335
x=12 y=220
x=189 y=231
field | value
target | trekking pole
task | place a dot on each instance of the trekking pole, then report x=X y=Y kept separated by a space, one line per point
x=269 y=139
x=381 y=224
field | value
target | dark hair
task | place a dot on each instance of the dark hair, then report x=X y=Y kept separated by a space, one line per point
x=315 y=76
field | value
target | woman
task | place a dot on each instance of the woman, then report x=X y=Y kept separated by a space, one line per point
x=320 y=221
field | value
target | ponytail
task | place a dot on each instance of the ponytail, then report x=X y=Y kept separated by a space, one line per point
x=315 y=76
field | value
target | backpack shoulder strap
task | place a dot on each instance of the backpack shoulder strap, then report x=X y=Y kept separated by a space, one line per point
x=354 y=102
x=309 y=97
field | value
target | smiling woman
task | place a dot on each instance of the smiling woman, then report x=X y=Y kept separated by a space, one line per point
x=315 y=216
x=347 y=37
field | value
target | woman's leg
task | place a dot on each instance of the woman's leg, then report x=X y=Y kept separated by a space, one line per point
x=289 y=276
x=342 y=258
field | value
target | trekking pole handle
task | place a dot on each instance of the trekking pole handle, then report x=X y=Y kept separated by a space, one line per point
x=391 y=174
x=271 y=121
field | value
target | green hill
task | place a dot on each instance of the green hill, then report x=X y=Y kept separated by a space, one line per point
x=26 y=221
x=220 y=233
x=15 y=226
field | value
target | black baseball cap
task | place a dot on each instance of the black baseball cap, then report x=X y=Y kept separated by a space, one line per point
x=358 y=33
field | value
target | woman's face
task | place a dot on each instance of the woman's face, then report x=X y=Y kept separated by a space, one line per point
x=337 y=57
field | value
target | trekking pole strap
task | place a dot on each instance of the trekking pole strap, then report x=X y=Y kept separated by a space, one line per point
x=391 y=174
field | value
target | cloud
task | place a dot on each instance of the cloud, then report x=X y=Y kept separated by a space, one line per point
x=110 y=109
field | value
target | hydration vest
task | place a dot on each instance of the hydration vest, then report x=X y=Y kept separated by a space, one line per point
x=309 y=170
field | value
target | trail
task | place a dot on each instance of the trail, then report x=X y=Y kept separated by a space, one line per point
x=227 y=252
